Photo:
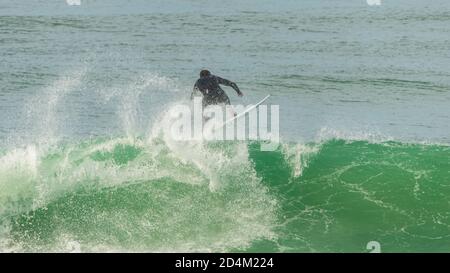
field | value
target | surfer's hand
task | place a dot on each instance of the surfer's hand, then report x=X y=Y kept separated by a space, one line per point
x=240 y=94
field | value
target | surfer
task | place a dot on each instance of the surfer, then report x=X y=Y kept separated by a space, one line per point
x=209 y=86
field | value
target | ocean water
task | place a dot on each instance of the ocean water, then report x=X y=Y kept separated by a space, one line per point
x=364 y=124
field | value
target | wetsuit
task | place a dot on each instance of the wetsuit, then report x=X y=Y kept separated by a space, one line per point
x=211 y=91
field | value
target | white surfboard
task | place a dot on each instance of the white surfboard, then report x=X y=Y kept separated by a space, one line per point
x=249 y=108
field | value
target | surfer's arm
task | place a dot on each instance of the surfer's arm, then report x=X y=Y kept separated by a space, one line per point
x=231 y=84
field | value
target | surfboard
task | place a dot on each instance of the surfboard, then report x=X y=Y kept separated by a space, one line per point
x=249 y=108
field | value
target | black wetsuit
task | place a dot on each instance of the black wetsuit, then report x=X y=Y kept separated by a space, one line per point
x=209 y=86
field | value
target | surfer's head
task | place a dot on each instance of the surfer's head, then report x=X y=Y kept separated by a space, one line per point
x=205 y=73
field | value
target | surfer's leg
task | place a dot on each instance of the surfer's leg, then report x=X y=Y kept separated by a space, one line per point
x=226 y=100
x=229 y=103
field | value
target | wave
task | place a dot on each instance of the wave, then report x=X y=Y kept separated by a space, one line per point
x=131 y=195
x=124 y=194
x=147 y=192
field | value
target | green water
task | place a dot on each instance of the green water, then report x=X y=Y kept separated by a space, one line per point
x=329 y=197
x=352 y=193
